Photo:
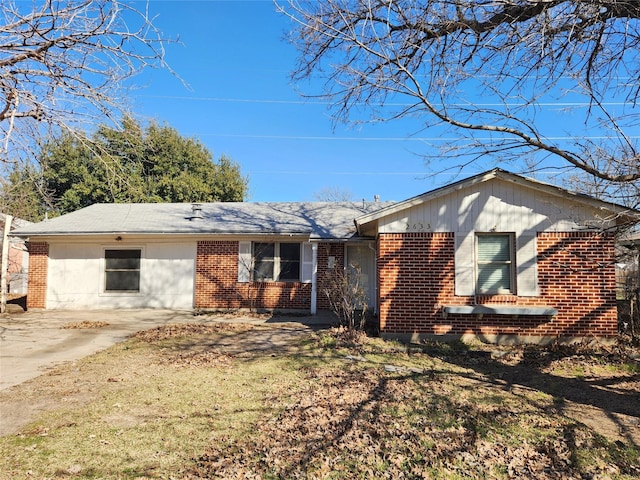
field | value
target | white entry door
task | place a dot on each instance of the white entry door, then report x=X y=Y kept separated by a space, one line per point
x=362 y=257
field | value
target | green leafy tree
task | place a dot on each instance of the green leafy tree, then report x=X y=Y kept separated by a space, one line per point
x=21 y=194
x=132 y=164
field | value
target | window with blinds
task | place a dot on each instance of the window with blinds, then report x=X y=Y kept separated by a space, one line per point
x=495 y=263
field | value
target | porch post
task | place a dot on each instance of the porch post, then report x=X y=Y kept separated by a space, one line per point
x=314 y=278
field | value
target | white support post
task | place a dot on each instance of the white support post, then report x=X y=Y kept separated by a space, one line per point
x=314 y=279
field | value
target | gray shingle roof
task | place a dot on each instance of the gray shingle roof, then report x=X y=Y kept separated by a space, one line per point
x=319 y=220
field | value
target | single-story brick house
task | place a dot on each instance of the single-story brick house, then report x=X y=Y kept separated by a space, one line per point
x=496 y=256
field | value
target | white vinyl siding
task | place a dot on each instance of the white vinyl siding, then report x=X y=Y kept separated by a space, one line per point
x=497 y=206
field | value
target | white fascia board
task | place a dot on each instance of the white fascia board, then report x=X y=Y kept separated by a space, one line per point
x=158 y=237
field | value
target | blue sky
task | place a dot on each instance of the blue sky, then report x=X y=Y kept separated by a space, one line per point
x=240 y=102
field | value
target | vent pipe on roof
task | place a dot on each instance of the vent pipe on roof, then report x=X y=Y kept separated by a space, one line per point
x=196 y=211
x=376 y=198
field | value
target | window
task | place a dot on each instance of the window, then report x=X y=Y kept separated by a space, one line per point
x=276 y=262
x=289 y=262
x=122 y=270
x=495 y=263
x=263 y=261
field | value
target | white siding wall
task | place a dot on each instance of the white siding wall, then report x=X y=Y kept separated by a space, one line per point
x=491 y=206
x=76 y=277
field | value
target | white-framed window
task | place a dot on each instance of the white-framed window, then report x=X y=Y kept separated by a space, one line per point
x=276 y=261
x=122 y=270
x=495 y=263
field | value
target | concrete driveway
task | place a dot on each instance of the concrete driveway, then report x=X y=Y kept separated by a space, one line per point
x=32 y=342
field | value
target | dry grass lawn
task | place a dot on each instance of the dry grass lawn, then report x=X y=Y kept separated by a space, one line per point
x=174 y=403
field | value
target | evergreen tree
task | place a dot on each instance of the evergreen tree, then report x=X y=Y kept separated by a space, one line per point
x=132 y=164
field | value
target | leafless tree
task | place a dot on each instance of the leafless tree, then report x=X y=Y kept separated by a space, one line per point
x=487 y=69
x=333 y=194
x=346 y=295
x=65 y=63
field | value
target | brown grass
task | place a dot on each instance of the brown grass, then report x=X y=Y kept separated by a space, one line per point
x=179 y=402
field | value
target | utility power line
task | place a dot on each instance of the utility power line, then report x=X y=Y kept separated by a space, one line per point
x=385 y=139
x=391 y=104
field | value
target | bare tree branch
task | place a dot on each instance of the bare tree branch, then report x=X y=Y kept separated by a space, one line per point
x=431 y=60
x=65 y=63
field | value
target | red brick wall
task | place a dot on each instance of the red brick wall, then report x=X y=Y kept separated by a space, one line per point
x=415 y=277
x=37 y=277
x=217 y=285
x=326 y=250
x=577 y=271
x=576 y=275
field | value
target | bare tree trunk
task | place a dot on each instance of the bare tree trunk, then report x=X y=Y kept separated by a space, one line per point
x=632 y=317
x=635 y=302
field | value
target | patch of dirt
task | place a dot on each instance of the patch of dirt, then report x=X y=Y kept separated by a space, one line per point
x=62 y=390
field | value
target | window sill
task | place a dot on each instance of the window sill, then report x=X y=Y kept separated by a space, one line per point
x=480 y=310
x=122 y=293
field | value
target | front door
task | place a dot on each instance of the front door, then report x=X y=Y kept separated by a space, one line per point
x=362 y=257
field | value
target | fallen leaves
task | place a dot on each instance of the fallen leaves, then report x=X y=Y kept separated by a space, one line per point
x=373 y=424
x=167 y=332
x=380 y=420
x=84 y=325
x=205 y=358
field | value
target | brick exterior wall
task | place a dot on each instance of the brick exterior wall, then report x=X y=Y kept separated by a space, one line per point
x=415 y=277
x=217 y=285
x=37 y=277
x=326 y=250
x=576 y=275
